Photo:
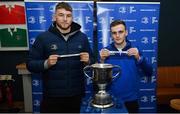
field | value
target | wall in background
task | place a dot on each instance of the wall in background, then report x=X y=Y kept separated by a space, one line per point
x=169 y=35
x=8 y=62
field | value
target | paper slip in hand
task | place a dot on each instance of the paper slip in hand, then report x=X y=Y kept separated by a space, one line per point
x=118 y=52
x=69 y=55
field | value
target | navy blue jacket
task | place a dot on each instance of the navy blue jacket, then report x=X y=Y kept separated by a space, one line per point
x=66 y=78
x=126 y=87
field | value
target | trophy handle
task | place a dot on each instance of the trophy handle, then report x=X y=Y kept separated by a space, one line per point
x=85 y=69
x=116 y=66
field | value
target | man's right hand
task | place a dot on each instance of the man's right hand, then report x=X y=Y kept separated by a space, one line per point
x=52 y=60
x=104 y=53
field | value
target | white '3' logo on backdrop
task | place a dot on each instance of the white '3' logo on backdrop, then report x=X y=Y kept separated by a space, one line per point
x=35 y=83
x=144 y=99
x=122 y=9
x=36 y=103
x=145 y=20
x=144 y=40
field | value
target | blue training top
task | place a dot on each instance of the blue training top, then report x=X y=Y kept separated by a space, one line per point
x=126 y=87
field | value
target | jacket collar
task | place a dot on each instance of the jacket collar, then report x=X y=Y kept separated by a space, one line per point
x=75 y=27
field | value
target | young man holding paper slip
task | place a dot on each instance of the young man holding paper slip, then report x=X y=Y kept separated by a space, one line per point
x=60 y=54
x=122 y=53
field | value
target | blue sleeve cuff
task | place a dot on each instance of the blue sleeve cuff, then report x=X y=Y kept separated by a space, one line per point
x=140 y=60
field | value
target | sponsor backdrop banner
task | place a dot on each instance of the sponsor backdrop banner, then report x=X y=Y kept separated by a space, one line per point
x=39 y=17
x=142 y=20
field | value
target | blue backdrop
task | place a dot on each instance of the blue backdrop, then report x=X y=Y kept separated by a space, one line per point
x=142 y=20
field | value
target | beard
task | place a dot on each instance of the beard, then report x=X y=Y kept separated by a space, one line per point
x=62 y=27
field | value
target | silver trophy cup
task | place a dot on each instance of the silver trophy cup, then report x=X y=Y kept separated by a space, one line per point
x=101 y=75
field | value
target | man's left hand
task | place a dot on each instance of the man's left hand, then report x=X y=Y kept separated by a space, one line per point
x=135 y=52
x=84 y=57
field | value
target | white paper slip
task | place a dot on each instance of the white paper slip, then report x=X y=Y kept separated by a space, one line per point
x=69 y=55
x=118 y=52
x=125 y=52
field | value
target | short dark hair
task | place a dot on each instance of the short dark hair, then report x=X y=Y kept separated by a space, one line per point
x=64 y=5
x=117 y=22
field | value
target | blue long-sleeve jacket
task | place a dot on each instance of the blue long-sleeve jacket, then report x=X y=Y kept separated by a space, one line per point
x=126 y=87
x=66 y=78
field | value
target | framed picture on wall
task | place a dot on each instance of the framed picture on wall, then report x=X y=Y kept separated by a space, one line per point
x=13 y=29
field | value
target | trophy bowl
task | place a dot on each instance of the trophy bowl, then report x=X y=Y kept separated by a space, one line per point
x=102 y=74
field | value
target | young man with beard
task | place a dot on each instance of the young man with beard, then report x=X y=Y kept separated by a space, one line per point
x=63 y=77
